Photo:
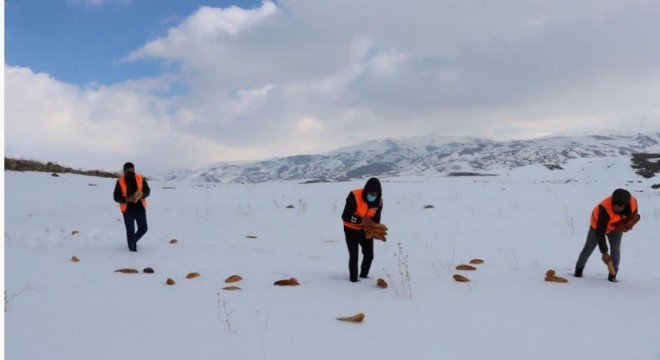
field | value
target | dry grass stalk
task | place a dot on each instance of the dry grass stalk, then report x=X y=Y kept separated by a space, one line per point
x=127 y=271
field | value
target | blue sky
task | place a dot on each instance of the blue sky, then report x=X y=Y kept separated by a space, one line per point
x=80 y=42
x=184 y=84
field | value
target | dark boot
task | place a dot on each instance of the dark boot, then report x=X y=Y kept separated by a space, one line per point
x=578 y=271
x=611 y=278
x=366 y=265
x=353 y=269
x=364 y=269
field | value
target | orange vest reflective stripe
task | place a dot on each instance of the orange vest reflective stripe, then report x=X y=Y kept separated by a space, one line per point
x=362 y=210
x=614 y=217
x=124 y=191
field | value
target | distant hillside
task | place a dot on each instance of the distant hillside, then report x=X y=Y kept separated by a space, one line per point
x=433 y=155
x=31 y=165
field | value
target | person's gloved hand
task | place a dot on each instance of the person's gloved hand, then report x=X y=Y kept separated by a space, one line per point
x=606 y=257
x=367 y=222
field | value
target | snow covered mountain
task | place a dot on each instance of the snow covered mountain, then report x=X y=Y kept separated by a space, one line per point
x=425 y=155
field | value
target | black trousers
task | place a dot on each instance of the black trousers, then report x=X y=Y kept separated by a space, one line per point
x=133 y=215
x=354 y=240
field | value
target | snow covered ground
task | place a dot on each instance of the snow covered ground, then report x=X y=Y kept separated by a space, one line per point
x=522 y=223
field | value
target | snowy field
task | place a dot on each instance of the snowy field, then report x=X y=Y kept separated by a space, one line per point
x=521 y=223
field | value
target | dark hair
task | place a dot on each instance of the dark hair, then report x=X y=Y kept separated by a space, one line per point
x=621 y=197
x=129 y=165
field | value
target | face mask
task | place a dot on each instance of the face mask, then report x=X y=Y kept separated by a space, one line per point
x=371 y=198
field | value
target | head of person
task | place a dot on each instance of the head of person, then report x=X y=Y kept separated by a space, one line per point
x=129 y=172
x=620 y=200
x=372 y=191
x=129 y=167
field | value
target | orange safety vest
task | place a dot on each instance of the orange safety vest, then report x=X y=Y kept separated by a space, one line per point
x=363 y=210
x=614 y=217
x=124 y=191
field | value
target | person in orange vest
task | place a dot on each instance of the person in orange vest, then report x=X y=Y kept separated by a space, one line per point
x=131 y=193
x=606 y=222
x=363 y=207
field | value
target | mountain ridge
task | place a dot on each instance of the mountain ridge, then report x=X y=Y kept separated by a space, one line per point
x=423 y=155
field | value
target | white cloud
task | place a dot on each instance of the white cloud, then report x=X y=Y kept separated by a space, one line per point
x=206 y=27
x=309 y=124
x=310 y=76
x=100 y=127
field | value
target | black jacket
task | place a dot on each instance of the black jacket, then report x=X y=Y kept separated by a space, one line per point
x=130 y=189
x=349 y=211
x=601 y=225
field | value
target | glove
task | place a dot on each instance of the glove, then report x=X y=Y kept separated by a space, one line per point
x=606 y=258
x=627 y=224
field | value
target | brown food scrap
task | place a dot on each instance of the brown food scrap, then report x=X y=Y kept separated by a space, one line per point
x=74 y=232
x=376 y=231
x=287 y=282
x=250 y=237
x=148 y=270
x=557 y=279
x=233 y=278
x=174 y=241
x=550 y=272
x=170 y=281
x=551 y=277
x=74 y=259
x=355 y=318
x=610 y=268
x=381 y=283
x=460 y=278
x=192 y=275
x=466 y=267
x=476 y=261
